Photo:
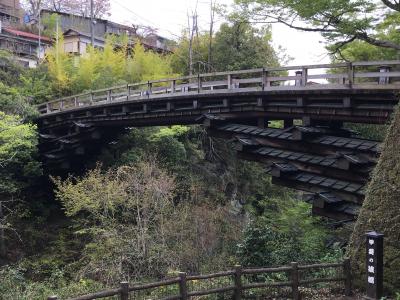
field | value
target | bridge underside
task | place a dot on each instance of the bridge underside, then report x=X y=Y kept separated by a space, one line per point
x=317 y=156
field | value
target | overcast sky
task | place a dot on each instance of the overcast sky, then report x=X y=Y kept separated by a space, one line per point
x=170 y=17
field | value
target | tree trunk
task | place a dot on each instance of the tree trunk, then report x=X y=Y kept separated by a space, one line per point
x=381 y=212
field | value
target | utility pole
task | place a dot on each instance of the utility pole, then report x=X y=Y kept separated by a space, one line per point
x=192 y=29
x=91 y=23
x=40 y=44
x=212 y=13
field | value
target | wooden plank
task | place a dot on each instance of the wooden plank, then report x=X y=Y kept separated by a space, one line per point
x=102 y=294
x=376 y=74
x=266 y=270
x=212 y=275
x=154 y=284
x=376 y=63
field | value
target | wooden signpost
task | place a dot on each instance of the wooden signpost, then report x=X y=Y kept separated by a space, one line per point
x=374 y=265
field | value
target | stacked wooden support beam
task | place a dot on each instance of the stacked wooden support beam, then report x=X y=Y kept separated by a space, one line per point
x=329 y=163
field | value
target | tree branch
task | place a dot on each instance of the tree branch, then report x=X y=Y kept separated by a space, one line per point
x=376 y=42
x=291 y=25
x=395 y=5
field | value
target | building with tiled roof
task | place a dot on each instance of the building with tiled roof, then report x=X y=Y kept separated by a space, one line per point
x=24 y=45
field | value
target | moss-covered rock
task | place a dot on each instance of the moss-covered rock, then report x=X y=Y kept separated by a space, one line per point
x=381 y=212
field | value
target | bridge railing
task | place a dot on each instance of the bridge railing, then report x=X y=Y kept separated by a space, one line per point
x=237 y=282
x=386 y=74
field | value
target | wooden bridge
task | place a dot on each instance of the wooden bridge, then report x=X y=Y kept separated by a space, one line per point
x=311 y=152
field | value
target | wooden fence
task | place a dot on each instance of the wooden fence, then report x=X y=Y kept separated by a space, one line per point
x=236 y=282
x=378 y=74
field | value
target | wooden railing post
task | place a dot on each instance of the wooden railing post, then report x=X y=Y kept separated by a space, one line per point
x=75 y=101
x=183 y=286
x=295 y=281
x=384 y=79
x=108 y=95
x=198 y=83
x=238 y=283
x=61 y=105
x=297 y=81
x=173 y=86
x=149 y=88
x=304 y=76
x=124 y=290
x=347 y=275
x=229 y=81
x=263 y=79
x=350 y=74
x=91 y=98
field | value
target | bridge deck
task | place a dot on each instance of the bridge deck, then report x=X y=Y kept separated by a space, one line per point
x=360 y=92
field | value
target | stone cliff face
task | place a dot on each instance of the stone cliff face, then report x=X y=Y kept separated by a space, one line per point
x=381 y=212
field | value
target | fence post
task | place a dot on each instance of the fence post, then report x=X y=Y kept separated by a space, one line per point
x=384 y=79
x=295 y=281
x=183 y=286
x=347 y=275
x=198 y=83
x=149 y=87
x=298 y=81
x=263 y=79
x=304 y=76
x=238 y=283
x=350 y=74
x=229 y=80
x=52 y=298
x=173 y=86
x=124 y=290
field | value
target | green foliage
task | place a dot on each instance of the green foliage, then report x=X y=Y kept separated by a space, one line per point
x=10 y=70
x=13 y=102
x=179 y=59
x=49 y=23
x=236 y=45
x=104 y=68
x=60 y=66
x=369 y=131
x=17 y=154
x=36 y=85
x=20 y=87
x=15 y=285
x=339 y=21
x=283 y=233
x=240 y=46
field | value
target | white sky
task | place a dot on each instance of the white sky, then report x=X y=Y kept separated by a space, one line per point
x=170 y=17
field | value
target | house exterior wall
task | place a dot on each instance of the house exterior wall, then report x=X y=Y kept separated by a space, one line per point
x=82 y=24
x=77 y=44
x=10 y=12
